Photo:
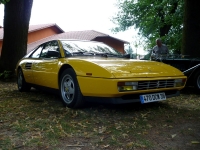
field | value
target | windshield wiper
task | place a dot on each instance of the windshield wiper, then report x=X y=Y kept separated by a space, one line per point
x=97 y=54
x=77 y=53
x=83 y=53
x=89 y=53
x=108 y=55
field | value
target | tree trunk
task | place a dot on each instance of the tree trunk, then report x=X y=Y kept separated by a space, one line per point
x=191 y=29
x=16 y=23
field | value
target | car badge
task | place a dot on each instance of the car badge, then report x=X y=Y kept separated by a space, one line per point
x=158 y=84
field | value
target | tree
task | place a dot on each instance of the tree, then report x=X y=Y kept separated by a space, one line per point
x=191 y=30
x=16 y=23
x=153 y=18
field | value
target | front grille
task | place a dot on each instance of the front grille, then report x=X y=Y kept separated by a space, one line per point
x=156 y=84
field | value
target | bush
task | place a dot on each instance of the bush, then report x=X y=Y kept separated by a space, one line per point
x=6 y=75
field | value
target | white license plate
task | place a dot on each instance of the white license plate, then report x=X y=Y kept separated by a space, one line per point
x=147 y=98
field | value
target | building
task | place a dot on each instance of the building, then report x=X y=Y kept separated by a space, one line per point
x=38 y=34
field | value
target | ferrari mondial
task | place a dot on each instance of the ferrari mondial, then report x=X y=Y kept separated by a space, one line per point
x=92 y=71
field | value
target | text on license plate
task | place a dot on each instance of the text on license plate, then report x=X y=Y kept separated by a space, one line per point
x=147 y=98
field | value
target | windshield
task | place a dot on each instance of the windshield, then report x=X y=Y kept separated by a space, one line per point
x=73 y=48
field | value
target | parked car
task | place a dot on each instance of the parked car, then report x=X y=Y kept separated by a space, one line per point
x=92 y=71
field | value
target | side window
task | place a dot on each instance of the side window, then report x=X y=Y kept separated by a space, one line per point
x=44 y=52
x=37 y=52
x=50 y=50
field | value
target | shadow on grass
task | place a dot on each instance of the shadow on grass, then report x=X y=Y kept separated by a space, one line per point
x=54 y=99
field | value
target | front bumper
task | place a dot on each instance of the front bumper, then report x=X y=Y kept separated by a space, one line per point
x=102 y=87
x=132 y=98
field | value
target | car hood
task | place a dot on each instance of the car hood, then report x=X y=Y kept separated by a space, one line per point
x=127 y=68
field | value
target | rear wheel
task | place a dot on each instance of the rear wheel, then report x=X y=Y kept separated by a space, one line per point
x=21 y=83
x=69 y=89
x=197 y=81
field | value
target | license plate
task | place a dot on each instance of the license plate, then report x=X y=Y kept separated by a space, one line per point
x=147 y=98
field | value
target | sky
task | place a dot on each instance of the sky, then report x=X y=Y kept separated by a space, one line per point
x=78 y=15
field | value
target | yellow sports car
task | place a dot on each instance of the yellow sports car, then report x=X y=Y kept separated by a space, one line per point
x=92 y=71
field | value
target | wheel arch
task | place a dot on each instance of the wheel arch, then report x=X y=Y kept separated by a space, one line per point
x=63 y=68
x=78 y=100
x=17 y=70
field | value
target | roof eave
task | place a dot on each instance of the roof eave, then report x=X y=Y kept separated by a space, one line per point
x=51 y=25
x=125 y=42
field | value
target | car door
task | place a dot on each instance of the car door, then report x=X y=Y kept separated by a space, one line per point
x=28 y=64
x=45 y=68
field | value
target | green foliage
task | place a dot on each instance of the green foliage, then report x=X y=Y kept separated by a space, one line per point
x=4 y=1
x=6 y=75
x=153 y=19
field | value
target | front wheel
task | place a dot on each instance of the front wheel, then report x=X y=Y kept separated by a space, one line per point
x=21 y=83
x=197 y=81
x=69 y=89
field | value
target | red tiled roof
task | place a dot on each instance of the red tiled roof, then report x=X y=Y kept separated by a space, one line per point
x=81 y=35
x=86 y=35
x=33 y=28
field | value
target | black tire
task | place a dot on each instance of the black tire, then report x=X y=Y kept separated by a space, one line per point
x=69 y=90
x=21 y=83
x=196 y=81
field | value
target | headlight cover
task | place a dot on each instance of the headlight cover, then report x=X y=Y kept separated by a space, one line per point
x=127 y=86
x=179 y=82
